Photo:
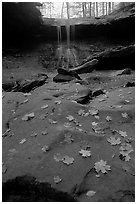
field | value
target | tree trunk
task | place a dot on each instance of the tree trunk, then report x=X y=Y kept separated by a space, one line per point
x=103 y=10
x=109 y=7
x=96 y=9
x=93 y=9
x=68 y=14
x=90 y=5
x=106 y=9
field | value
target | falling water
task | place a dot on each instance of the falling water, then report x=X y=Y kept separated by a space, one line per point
x=66 y=55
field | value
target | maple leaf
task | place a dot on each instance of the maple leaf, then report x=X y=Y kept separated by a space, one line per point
x=52 y=121
x=125 y=147
x=90 y=193
x=124 y=156
x=94 y=123
x=57 y=179
x=42 y=117
x=124 y=115
x=45 y=132
x=122 y=133
x=93 y=112
x=58 y=102
x=85 y=153
x=81 y=112
x=28 y=116
x=102 y=166
x=108 y=118
x=70 y=118
x=44 y=106
x=101 y=99
x=97 y=117
x=68 y=160
x=27 y=94
x=98 y=130
x=58 y=157
x=23 y=141
x=68 y=138
x=113 y=141
x=34 y=134
x=45 y=148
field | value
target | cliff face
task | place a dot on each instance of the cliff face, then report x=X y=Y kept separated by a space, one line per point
x=119 y=24
x=20 y=19
x=24 y=19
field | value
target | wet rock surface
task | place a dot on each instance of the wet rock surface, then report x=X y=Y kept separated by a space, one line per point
x=63 y=137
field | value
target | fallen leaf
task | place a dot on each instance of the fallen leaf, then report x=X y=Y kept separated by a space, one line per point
x=25 y=101
x=113 y=155
x=58 y=157
x=102 y=166
x=23 y=141
x=101 y=99
x=93 y=112
x=34 y=134
x=113 y=141
x=52 y=121
x=85 y=153
x=97 y=117
x=124 y=156
x=57 y=179
x=68 y=160
x=127 y=101
x=90 y=193
x=68 y=138
x=125 y=147
x=57 y=102
x=97 y=175
x=27 y=94
x=42 y=117
x=122 y=133
x=98 y=130
x=94 y=123
x=45 y=132
x=44 y=106
x=28 y=116
x=45 y=148
x=124 y=115
x=108 y=118
x=70 y=118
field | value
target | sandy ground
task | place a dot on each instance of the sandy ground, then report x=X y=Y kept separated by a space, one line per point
x=37 y=147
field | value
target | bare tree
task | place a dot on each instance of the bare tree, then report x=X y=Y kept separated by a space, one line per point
x=103 y=8
x=97 y=9
x=109 y=7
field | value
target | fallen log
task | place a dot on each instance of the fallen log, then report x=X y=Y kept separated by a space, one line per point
x=25 y=85
x=86 y=67
x=115 y=58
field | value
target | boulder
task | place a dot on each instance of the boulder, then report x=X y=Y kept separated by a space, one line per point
x=68 y=72
x=62 y=78
x=124 y=71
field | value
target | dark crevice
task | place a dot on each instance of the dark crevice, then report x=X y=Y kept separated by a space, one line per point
x=27 y=189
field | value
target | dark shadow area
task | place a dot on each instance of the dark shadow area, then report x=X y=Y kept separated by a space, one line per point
x=27 y=189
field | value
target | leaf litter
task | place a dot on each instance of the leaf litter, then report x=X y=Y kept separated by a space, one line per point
x=90 y=193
